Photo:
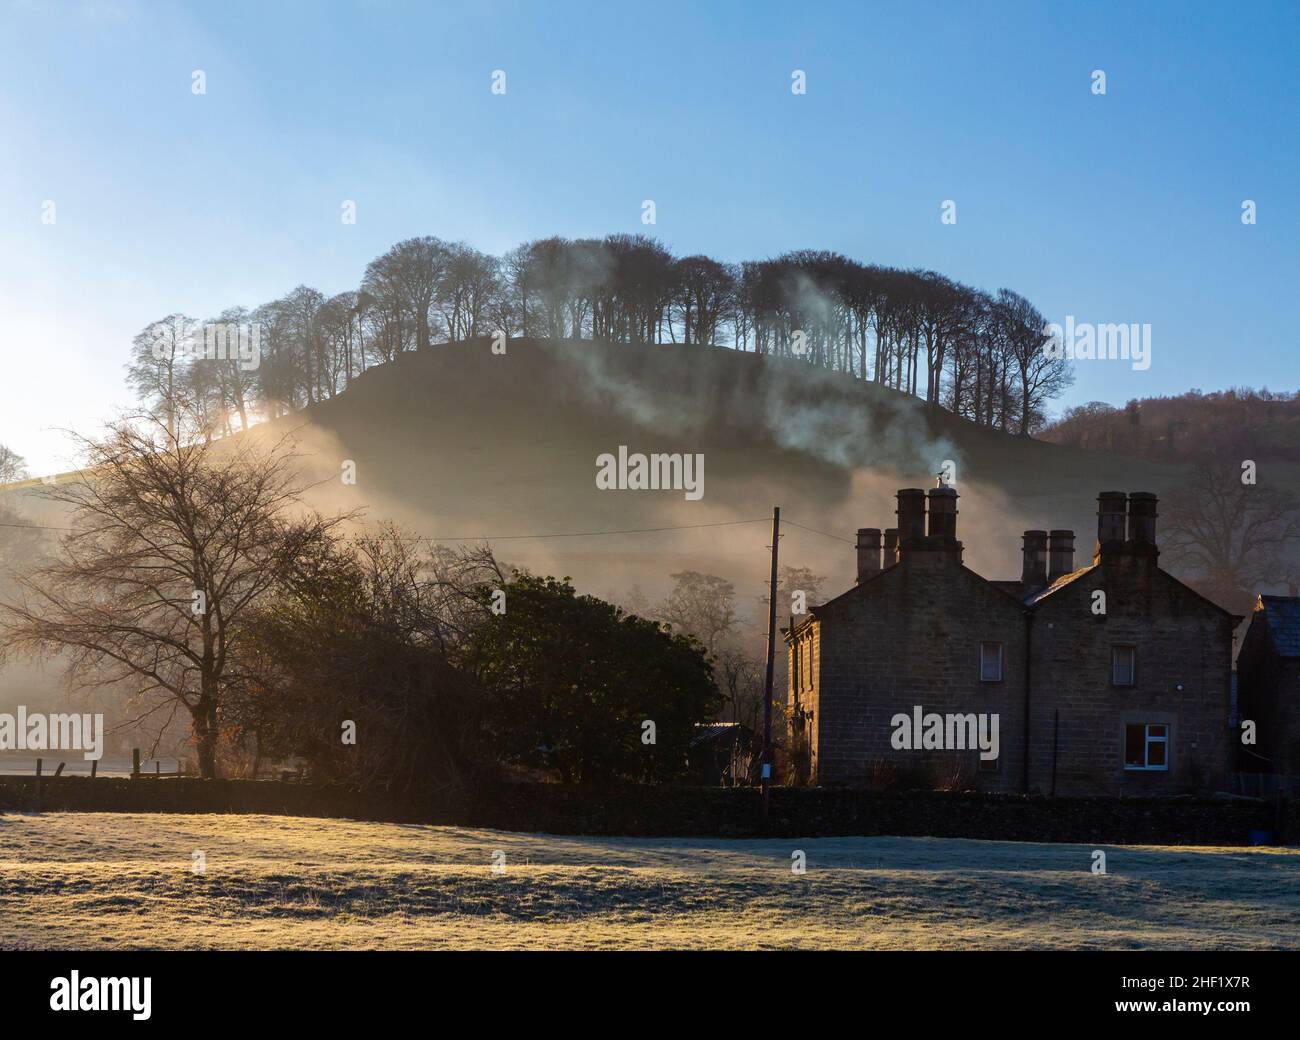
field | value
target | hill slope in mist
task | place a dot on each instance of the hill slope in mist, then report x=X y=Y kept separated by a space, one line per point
x=458 y=442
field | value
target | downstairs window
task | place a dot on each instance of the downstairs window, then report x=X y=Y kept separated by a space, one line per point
x=1146 y=746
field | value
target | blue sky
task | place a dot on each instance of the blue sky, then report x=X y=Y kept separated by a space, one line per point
x=1120 y=208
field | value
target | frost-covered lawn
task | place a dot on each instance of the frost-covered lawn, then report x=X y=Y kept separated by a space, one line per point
x=92 y=880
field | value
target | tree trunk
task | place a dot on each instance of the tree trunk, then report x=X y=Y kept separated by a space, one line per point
x=204 y=728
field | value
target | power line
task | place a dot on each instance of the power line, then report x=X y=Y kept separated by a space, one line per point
x=551 y=534
x=814 y=530
x=503 y=537
x=584 y=534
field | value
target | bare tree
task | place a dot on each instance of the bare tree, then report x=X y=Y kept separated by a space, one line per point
x=174 y=543
x=408 y=278
x=1040 y=375
x=155 y=371
x=12 y=466
x=366 y=629
x=466 y=291
x=18 y=540
x=702 y=295
x=1232 y=536
x=701 y=605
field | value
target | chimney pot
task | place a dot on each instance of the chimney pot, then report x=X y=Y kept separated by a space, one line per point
x=1112 y=519
x=891 y=547
x=1142 y=520
x=1034 y=571
x=868 y=552
x=943 y=513
x=1060 y=554
x=911 y=517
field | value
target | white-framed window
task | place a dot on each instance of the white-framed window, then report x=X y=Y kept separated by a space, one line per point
x=1146 y=746
x=1123 y=665
x=990 y=662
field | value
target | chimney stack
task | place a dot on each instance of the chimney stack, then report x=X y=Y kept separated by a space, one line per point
x=1112 y=520
x=1034 y=572
x=1142 y=521
x=911 y=517
x=868 y=552
x=1060 y=548
x=943 y=513
x=891 y=547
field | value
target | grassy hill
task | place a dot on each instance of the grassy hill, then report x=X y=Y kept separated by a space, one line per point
x=457 y=442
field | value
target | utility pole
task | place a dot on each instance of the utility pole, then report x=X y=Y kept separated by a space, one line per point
x=767 y=682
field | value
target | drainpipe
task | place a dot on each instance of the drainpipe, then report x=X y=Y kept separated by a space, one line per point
x=1029 y=631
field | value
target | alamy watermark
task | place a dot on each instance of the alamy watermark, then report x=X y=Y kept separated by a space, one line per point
x=1083 y=341
x=37 y=731
x=921 y=731
x=73 y=993
x=635 y=471
x=210 y=341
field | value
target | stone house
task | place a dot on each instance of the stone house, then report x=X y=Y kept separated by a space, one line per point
x=1268 y=684
x=1112 y=678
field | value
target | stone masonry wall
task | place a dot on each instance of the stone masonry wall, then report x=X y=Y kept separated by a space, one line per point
x=911 y=636
x=1182 y=680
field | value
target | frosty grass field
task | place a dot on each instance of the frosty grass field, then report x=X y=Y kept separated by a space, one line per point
x=114 y=880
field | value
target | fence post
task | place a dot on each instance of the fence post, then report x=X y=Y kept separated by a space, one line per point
x=37 y=797
x=135 y=763
x=94 y=767
x=59 y=771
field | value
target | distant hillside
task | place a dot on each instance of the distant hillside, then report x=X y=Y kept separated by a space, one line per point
x=1256 y=424
x=457 y=441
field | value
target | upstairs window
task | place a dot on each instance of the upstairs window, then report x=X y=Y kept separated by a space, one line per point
x=1123 y=665
x=990 y=662
x=1146 y=746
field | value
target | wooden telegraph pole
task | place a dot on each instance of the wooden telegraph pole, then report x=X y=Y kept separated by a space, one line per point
x=767 y=682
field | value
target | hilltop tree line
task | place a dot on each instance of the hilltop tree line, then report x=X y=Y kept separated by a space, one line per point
x=975 y=353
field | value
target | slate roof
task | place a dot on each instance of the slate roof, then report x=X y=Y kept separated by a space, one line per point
x=1058 y=584
x=1282 y=613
